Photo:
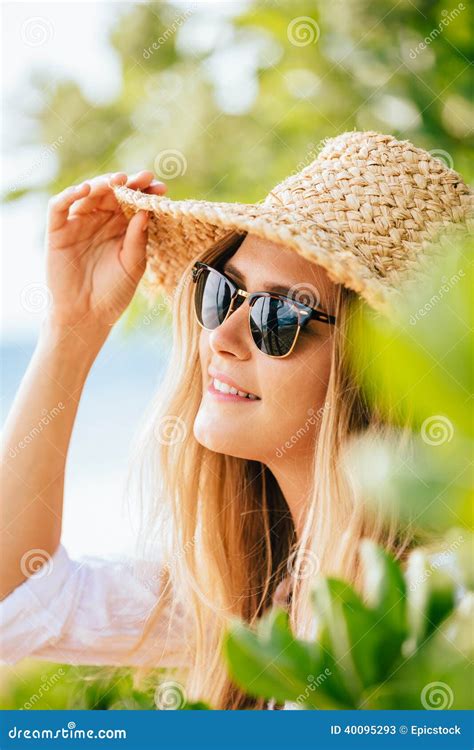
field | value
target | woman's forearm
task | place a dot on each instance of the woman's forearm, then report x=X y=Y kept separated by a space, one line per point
x=35 y=443
x=95 y=258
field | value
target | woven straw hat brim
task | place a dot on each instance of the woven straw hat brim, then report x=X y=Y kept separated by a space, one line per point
x=180 y=231
x=368 y=209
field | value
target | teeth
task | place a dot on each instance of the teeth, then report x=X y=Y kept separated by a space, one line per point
x=222 y=387
x=225 y=388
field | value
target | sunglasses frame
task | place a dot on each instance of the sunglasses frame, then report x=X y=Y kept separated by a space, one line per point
x=304 y=312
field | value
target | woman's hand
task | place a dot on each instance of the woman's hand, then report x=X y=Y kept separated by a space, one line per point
x=94 y=256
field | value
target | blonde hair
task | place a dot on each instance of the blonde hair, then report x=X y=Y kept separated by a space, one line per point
x=229 y=531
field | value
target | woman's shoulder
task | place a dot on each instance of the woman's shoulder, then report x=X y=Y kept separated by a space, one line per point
x=48 y=575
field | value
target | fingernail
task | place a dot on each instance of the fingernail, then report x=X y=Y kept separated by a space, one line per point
x=145 y=226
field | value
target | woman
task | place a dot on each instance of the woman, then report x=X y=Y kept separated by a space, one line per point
x=241 y=460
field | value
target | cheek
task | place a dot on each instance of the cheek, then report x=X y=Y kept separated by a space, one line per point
x=296 y=399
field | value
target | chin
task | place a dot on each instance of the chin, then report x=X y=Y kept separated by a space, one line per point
x=209 y=438
x=218 y=442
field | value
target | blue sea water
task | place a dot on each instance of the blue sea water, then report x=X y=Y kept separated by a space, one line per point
x=116 y=395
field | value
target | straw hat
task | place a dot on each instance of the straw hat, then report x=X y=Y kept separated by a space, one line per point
x=366 y=209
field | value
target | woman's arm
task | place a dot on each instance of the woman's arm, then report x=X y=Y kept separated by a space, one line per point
x=94 y=261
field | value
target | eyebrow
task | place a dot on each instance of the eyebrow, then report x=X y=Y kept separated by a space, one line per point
x=268 y=287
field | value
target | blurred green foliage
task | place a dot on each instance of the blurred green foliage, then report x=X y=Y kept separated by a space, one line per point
x=46 y=686
x=242 y=96
x=385 y=650
x=418 y=367
x=33 y=685
x=363 y=70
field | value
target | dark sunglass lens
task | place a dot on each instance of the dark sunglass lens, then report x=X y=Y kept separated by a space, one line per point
x=213 y=297
x=274 y=325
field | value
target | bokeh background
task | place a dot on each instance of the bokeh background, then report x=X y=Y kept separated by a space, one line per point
x=221 y=100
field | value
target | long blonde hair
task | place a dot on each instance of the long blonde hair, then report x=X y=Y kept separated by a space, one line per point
x=229 y=533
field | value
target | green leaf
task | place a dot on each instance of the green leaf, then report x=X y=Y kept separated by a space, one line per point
x=197 y=706
x=352 y=636
x=367 y=643
x=333 y=600
x=385 y=591
x=271 y=663
x=438 y=674
x=430 y=598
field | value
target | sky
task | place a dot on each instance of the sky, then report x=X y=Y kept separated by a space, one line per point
x=39 y=36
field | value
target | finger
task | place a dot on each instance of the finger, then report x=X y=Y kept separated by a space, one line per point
x=101 y=195
x=133 y=253
x=59 y=205
x=118 y=178
x=101 y=183
x=140 y=179
x=106 y=177
x=156 y=188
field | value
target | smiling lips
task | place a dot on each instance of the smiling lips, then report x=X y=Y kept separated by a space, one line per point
x=224 y=388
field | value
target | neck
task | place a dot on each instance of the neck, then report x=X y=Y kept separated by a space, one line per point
x=294 y=479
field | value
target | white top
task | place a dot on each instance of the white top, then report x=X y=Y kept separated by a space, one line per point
x=92 y=611
x=88 y=611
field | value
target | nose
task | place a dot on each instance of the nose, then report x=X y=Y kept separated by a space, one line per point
x=238 y=301
x=233 y=335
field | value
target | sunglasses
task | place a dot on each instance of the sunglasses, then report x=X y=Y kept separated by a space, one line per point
x=275 y=320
